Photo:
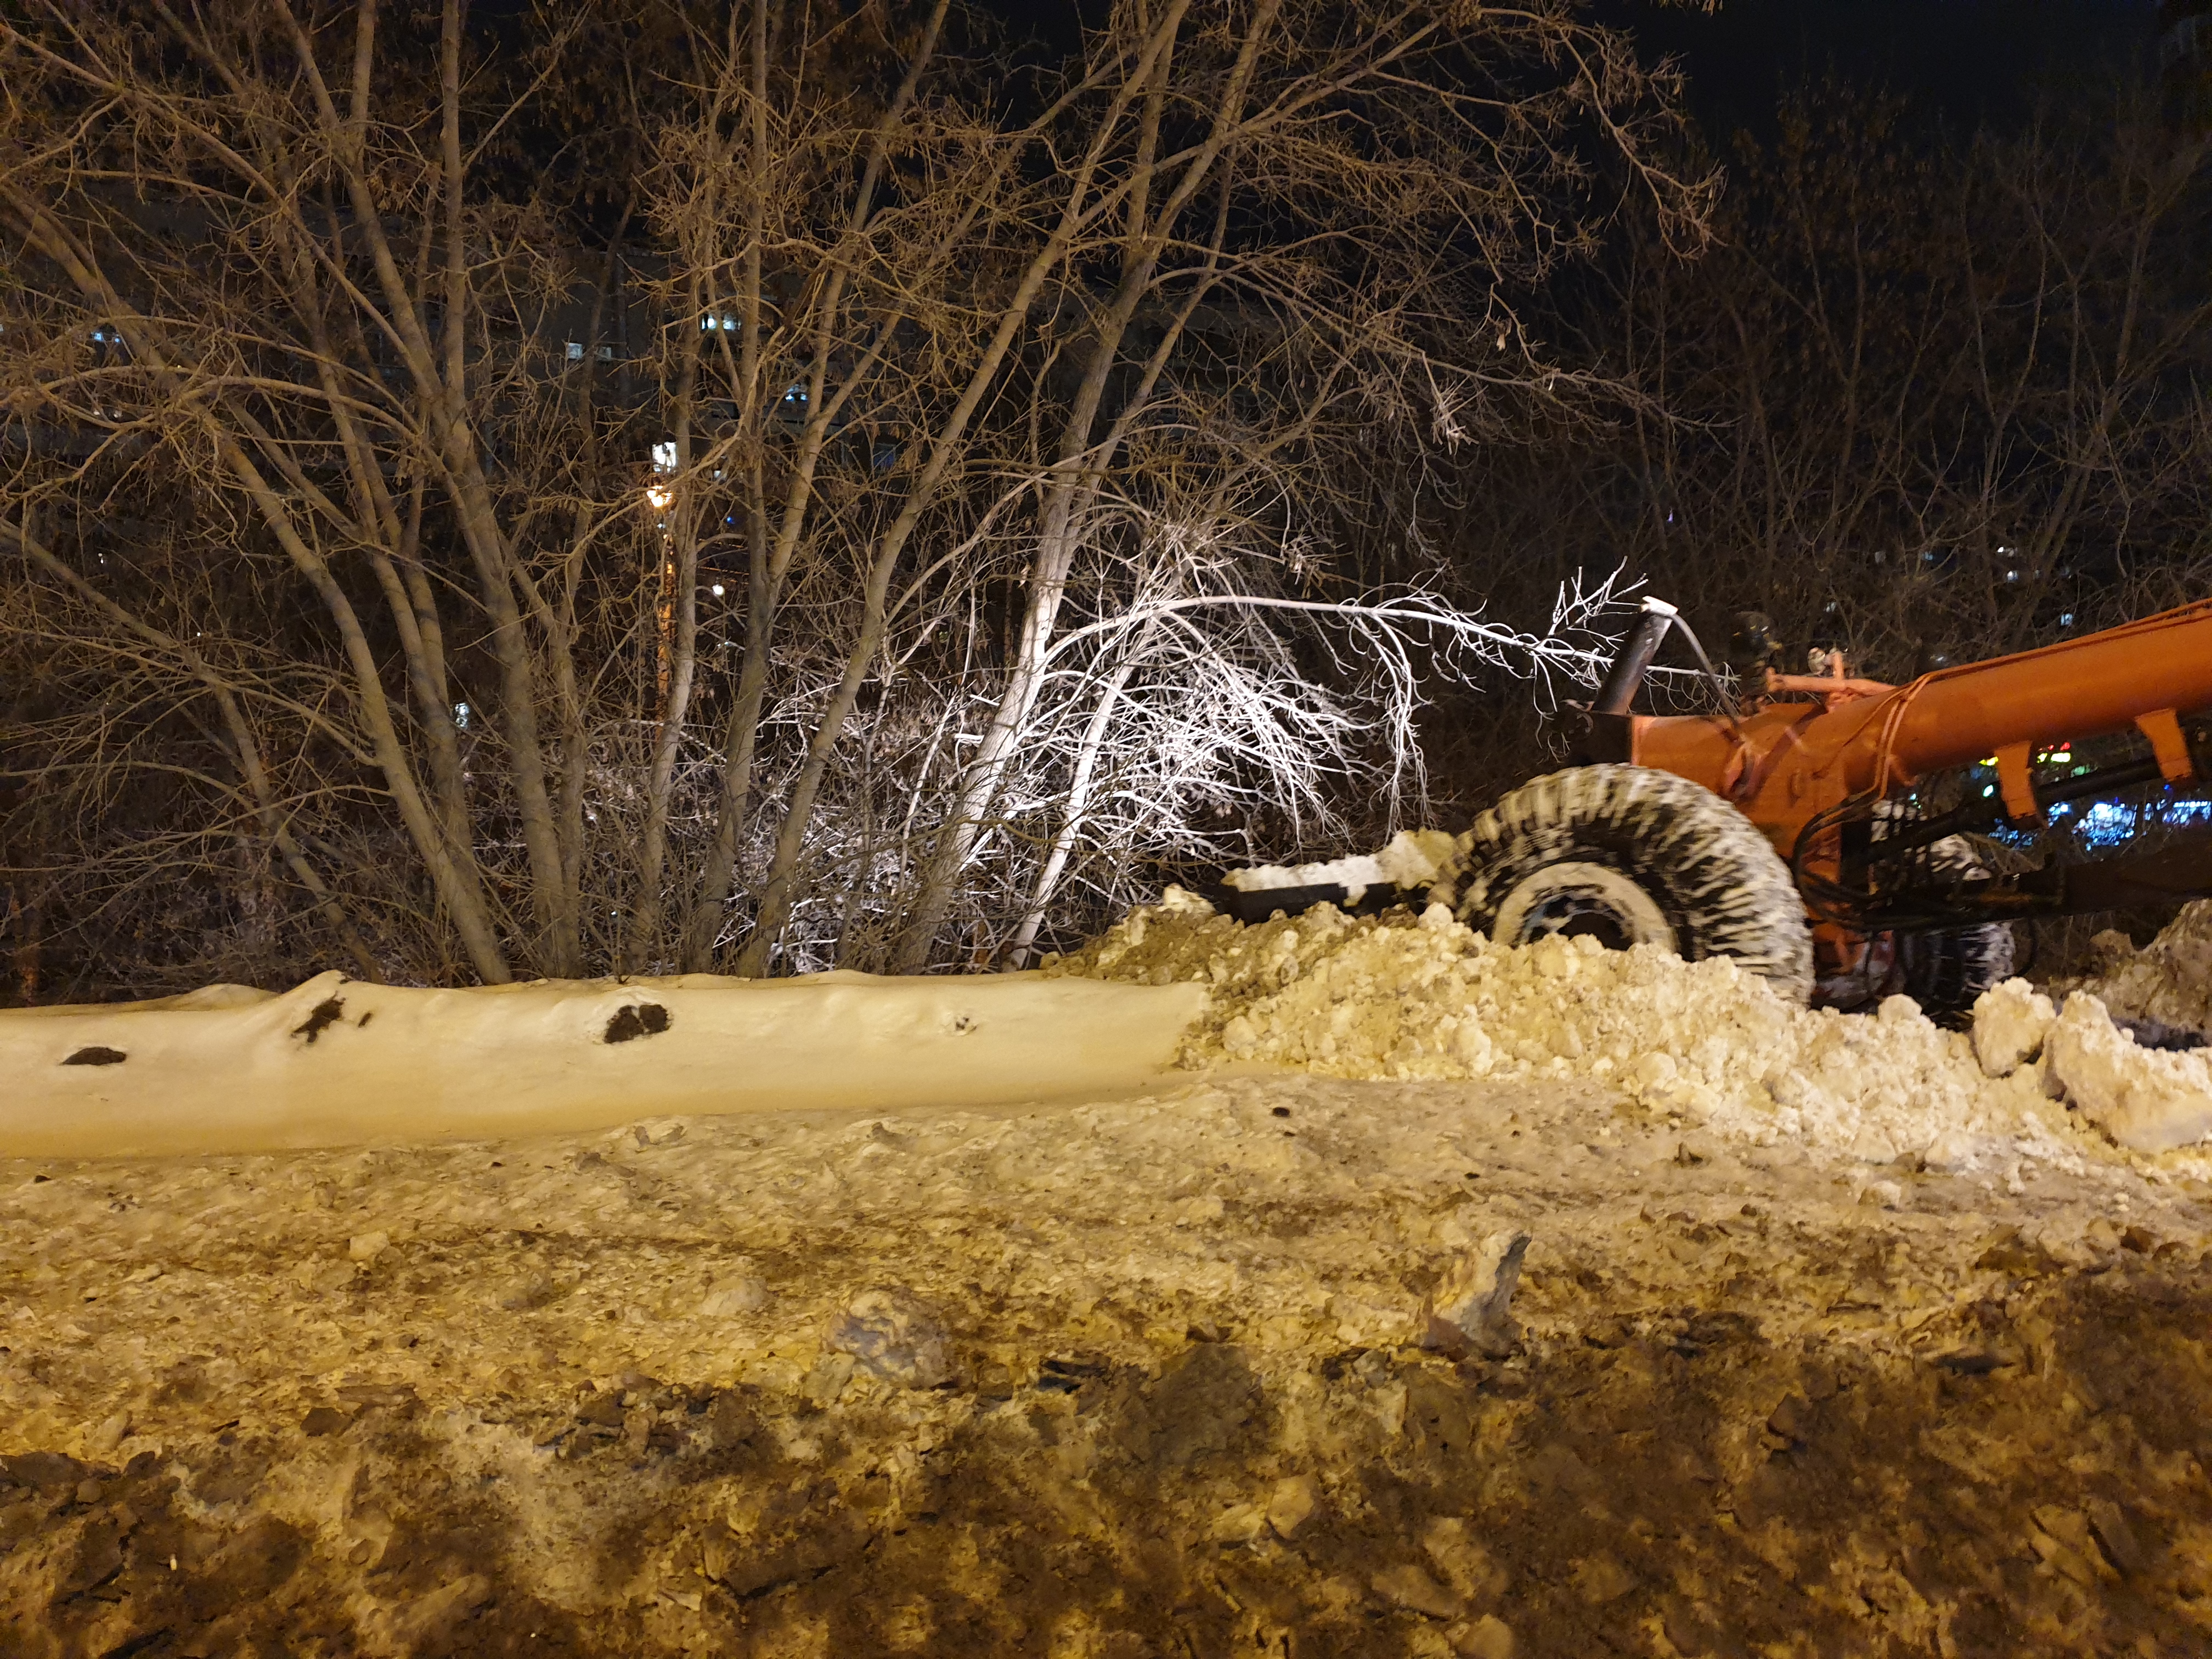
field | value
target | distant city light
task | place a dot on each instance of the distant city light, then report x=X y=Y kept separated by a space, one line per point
x=2108 y=824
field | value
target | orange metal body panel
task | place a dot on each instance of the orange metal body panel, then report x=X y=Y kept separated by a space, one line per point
x=1793 y=760
x=1786 y=763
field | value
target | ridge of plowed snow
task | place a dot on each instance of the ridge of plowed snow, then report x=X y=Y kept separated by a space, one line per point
x=336 y=1062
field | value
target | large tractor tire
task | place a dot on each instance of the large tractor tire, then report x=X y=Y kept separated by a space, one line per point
x=1635 y=856
x=1945 y=971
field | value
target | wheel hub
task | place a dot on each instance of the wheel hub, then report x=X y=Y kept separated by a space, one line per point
x=1574 y=899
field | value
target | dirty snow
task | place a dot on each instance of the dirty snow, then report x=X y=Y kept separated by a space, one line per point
x=1151 y=1375
x=1448 y=1341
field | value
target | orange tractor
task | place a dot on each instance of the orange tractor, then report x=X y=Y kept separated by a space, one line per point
x=1793 y=832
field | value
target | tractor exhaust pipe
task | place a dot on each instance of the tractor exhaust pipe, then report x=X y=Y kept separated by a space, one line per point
x=1608 y=729
x=1622 y=681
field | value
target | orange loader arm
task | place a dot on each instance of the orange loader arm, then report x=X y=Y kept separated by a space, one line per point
x=1786 y=763
x=1810 y=762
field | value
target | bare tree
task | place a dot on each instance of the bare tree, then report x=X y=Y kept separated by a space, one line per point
x=1228 y=242
x=536 y=576
x=1932 y=399
x=249 y=272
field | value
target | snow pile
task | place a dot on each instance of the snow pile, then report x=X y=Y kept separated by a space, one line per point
x=1706 y=1042
x=2165 y=986
x=336 y=1062
x=1410 y=863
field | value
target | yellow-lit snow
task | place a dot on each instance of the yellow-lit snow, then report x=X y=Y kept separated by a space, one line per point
x=1705 y=1046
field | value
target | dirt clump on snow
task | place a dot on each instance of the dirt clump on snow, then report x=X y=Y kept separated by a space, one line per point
x=1706 y=1044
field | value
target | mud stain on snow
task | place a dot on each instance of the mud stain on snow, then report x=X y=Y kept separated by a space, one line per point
x=637 y=1019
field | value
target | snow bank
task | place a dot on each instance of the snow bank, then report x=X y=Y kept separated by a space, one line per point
x=1407 y=998
x=2167 y=985
x=335 y=1061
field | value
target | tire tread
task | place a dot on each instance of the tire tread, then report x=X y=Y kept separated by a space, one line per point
x=1726 y=889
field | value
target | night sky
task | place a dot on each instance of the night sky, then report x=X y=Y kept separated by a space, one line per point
x=1959 y=60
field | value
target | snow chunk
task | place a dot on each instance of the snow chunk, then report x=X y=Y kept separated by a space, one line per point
x=2010 y=1023
x=1181 y=900
x=894 y=1334
x=1415 y=858
x=2148 y=1101
x=2165 y=986
x=1471 y=1307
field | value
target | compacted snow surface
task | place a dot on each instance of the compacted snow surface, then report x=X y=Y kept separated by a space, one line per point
x=336 y=1061
x=1831 y=1335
